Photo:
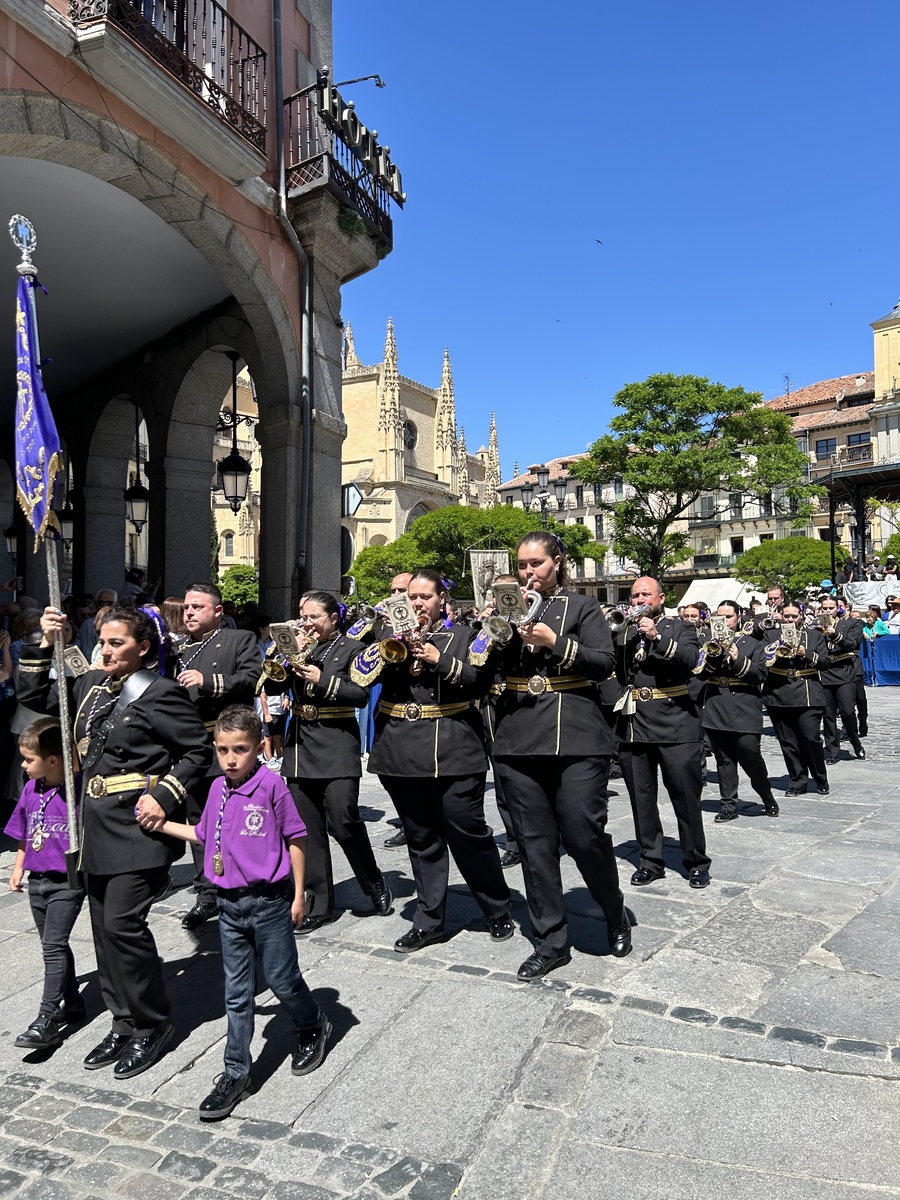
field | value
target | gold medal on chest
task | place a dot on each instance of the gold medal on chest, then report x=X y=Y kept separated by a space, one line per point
x=83 y=746
x=37 y=839
x=218 y=864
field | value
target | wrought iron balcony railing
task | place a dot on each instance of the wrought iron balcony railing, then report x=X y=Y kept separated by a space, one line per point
x=316 y=153
x=201 y=46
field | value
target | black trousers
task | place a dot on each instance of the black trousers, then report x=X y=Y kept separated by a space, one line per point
x=862 y=703
x=55 y=908
x=739 y=749
x=194 y=805
x=503 y=809
x=642 y=764
x=561 y=798
x=441 y=817
x=130 y=969
x=799 y=733
x=332 y=806
x=840 y=699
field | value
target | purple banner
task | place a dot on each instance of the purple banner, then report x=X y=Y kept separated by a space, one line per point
x=38 y=456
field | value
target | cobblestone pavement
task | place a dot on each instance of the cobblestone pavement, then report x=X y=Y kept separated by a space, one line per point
x=750 y=1044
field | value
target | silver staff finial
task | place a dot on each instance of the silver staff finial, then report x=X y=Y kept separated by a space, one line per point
x=23 y=235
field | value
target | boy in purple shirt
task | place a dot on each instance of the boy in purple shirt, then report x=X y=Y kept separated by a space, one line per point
x=253 y=843
x=40 y=825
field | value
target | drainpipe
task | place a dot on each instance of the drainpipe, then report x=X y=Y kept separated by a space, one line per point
x=305 y=304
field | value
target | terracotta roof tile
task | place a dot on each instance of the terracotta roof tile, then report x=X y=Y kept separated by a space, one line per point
x=822 y=420
x=823 y=391
x=556 y=467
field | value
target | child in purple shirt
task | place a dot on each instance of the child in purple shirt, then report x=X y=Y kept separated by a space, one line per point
x=40 y=825
x=253 y=844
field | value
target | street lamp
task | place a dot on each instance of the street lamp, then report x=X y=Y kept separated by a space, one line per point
x=560 y=486
x=137 y=498
x=66 y=518
x=234 y=470
x=11 y=536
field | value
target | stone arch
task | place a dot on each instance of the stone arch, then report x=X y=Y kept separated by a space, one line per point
x=418 y=510
x=105 y=478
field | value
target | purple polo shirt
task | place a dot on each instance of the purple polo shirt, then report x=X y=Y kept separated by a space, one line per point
x=258 y=819
x=23 y=824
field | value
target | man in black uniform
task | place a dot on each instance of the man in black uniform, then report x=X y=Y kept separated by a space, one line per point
x=660 y=733
x=733 y=676
x=844 y=636
x=218 y=666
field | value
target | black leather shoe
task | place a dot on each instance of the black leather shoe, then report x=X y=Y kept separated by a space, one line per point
x=227 y=1093
x=310 y=924
x=832 y=760
x=643 y=876
x=796 y=791
x=511 y=858
x=415 y=940
x=725 y=815
x=699 y=877
x=311 y=1049
x=859 y=751
x=108 y=1051
x=199 y=914
x=43 y=1032
x=537 y=965
x=771 y=807
x=395 y=841
x=619 y=938
x=382 y=899
x=823 y=789
x=501 y=928
x=141 y=1053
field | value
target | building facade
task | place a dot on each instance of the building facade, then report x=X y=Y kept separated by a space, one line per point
x=404 y=448
x=145 y=141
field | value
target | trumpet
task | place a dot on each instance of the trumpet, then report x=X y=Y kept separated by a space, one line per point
x=715 y=649
x=616 y=619
x=498 y=630
x=826 y=623
x=276 y=666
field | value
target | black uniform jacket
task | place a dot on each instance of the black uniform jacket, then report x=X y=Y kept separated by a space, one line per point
x=230 y=663
x=794 y=682
x=732 y=700
x=429 y=747
x=843 y=650
x=317 y=746
x=566 y=722
x=159 y=733
x=669 y=664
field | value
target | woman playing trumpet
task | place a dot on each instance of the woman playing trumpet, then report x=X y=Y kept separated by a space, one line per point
x=429 y=755
x=321 y=760
x=552 y=752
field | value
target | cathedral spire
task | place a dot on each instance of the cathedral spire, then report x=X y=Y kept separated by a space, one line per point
x=462 y=467
x=445 y=453
x=390 y=412
x=492 y=476
x=350 y=357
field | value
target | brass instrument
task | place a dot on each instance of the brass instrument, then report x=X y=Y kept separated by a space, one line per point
x=790 y=640
x=498 y=630
x=722 y=637
x=393 y=650
x=825 y=623
x=276 y=664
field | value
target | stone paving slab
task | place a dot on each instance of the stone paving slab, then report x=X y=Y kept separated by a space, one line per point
x=843 y=1002
x=744 y=1114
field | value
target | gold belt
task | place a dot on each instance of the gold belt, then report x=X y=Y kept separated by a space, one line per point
x=725 y=681
x=309 y=712
x=538 y=684
x=843 y=657
x=415 y=712
x=793 y=672
x=112 y=785
x=649 y=693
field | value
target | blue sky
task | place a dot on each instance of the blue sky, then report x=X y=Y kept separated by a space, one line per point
x=738 y=164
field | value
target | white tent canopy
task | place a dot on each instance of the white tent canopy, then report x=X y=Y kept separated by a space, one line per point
x=714 y=591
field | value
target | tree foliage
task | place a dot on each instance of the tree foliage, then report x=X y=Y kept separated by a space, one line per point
x=441 y=539
x=679 y=437
x=794 y=563
x=891 y=546
x=240 y=583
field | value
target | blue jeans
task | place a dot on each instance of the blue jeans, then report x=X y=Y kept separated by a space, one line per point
x=260 y=927
x=55 y=908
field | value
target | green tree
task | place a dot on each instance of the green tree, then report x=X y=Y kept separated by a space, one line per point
x=442 y=538
x=240 y=584
x=213 y=552
x=679 y=437
x=891 y=546
x=793 y=562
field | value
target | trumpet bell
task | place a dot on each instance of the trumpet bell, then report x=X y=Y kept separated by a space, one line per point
x=616 y=619
x=274 y=670
x=714 y=649
x=499 y=630
x=392 y=650
x=785 y=652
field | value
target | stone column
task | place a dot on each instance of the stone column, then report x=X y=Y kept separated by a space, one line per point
x=281 y=436
x=104 y=530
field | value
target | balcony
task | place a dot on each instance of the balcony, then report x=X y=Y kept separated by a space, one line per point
x=855 y=456
x=711 y=562
x=189 y=68
x=328 y=148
